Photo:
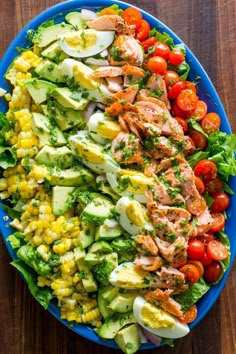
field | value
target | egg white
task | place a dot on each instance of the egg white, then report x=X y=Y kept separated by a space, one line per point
x=178 y=331
x=103 y=40
x=81 y=139
x=140 y=283
x=95 y=121
x=127 y=224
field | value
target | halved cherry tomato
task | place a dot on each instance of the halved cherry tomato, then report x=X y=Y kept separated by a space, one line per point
x=171 y=77
x=161 y=49
x=199 y=112
x=206 y=238
x=197 y=264
x=196 y=206
x=191 y=147
x=211 y=123
x=149 y=42
x=218 y=222
x=195 y=249
x=199 y=139
x=143 y=31
x=217 y=251
x=221 y=201
x=205 y=259
x=183 y=123
x=132 y=16
x=187 y=100
x=189 y=315
x=191 y=273
x=176 y=89
x=213 y=186
x=206 y=170
x=190 y=86
x=176 y=57
x=177 y=111
x=199 y=185
x=213 y=272
x=157 y=65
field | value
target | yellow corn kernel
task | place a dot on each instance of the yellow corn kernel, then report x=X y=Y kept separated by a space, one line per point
x=43 y=281
x=3 y=184
x=91 y=316
x=43 y=250
x=7 y=97
x=63 y=246
x=21 y=64
x=16 y=224
x=4 y=195
x=37 y=240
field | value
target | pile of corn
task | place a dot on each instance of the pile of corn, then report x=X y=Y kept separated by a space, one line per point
x=54 y=237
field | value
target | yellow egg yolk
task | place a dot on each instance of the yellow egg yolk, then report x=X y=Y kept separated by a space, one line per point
x=155 y=317
x=138 y=182
x=135 y=213
x=129 y=277
x=90 y=152
x=82 y=75
x=108 y=129
x=81 y=40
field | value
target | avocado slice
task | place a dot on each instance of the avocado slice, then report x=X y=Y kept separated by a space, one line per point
x=88 y=280
x=61 y=157
x=104 y=232
x=62 y=199
x=97 y=210
x=123 y=303
x=54 y=52
x=70 y=177
x=87 y=234
x=128 y=339
x=100 y=247
x=51 y=71
x=39 y=89
x=46 y=35
x=75 y=19
x=103 y=304
x=113 y=324
x=91 y=259
x=109 y=293
x=47 y=133
x=64 y=95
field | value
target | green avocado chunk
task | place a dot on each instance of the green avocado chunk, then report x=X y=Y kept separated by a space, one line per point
x=46 y=35
x=128 y=339
x=113 y=324
x=39 y=89
x=61 y=199
x=61 y=157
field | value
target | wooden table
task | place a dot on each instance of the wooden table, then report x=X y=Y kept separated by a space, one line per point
x=209 y=29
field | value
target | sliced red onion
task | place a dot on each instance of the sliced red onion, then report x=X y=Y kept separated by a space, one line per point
x=89 y=110
x=151 y=337
x=98 y=62
x=143 y=338
x=100 y=105
x=87 y=14
x=104 y=53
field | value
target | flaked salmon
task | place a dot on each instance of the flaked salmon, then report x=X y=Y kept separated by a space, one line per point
x=111 y=23
x=125 y=50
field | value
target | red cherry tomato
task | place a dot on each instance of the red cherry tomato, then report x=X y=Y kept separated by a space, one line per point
x=149 y=42
x=176 y=89
x=132 y=16
x=199 y=139
x=183 y=123
x=211 y=123
x=196 y=206
x=218 y=222
x=195 y=249
x=206 y=238
x=199 y=112
x=213 y=186
x=221 y=201
x=143 y=31
x=197 y=264
x=206 y=170
x=176 y=57
x=205 y=259
x=161 y=49
x=213 y=272
x=187 y=100
x=177 y=111
x=157 y=65
x=217 y=251
x=199 y=185
x=191 y=273
x=189 y=315
x=171 y=77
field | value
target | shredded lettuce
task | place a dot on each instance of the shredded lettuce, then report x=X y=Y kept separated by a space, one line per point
x=16 y=240
x=42 y=295
x=182 y=69
x=162 y=37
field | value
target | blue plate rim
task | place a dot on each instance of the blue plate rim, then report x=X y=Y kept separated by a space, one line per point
x=11 y=52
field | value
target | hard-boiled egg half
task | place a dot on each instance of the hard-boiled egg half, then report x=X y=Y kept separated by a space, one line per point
x=85 y=43
x=94 y=88
x=132 y=216
x=126 y=276
x=91 y=154
x=130 y=183
x=103 y=129
x=158 y=321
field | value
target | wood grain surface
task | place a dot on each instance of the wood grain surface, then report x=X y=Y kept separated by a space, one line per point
x=208 y=27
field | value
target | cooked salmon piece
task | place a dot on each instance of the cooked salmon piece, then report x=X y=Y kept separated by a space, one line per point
x=157 y=83
x=179 y=260
x=132 y=74
x=121 y=101
x=111 y=23
x=115 y=84
x=170 y=277
x=165 y=195
x=147 y=244
x=144 y=95
x=188 y=146
x=163 y=299
x=107 y=71
x=126 y=149
x=125 y=50
x=170 y=250
x=149 y=264
x=202 y=223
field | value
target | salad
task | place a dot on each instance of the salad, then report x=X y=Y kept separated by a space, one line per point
x=115 y=176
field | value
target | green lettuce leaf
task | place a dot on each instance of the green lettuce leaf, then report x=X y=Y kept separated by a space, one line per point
x=162 y=37
x=16 y=240
x=182 y=69
x=42 y=295
x=13 y=214
x=192 y=295
x=7 y=157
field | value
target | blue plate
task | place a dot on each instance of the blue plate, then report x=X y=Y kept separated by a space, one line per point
x=206 y=92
